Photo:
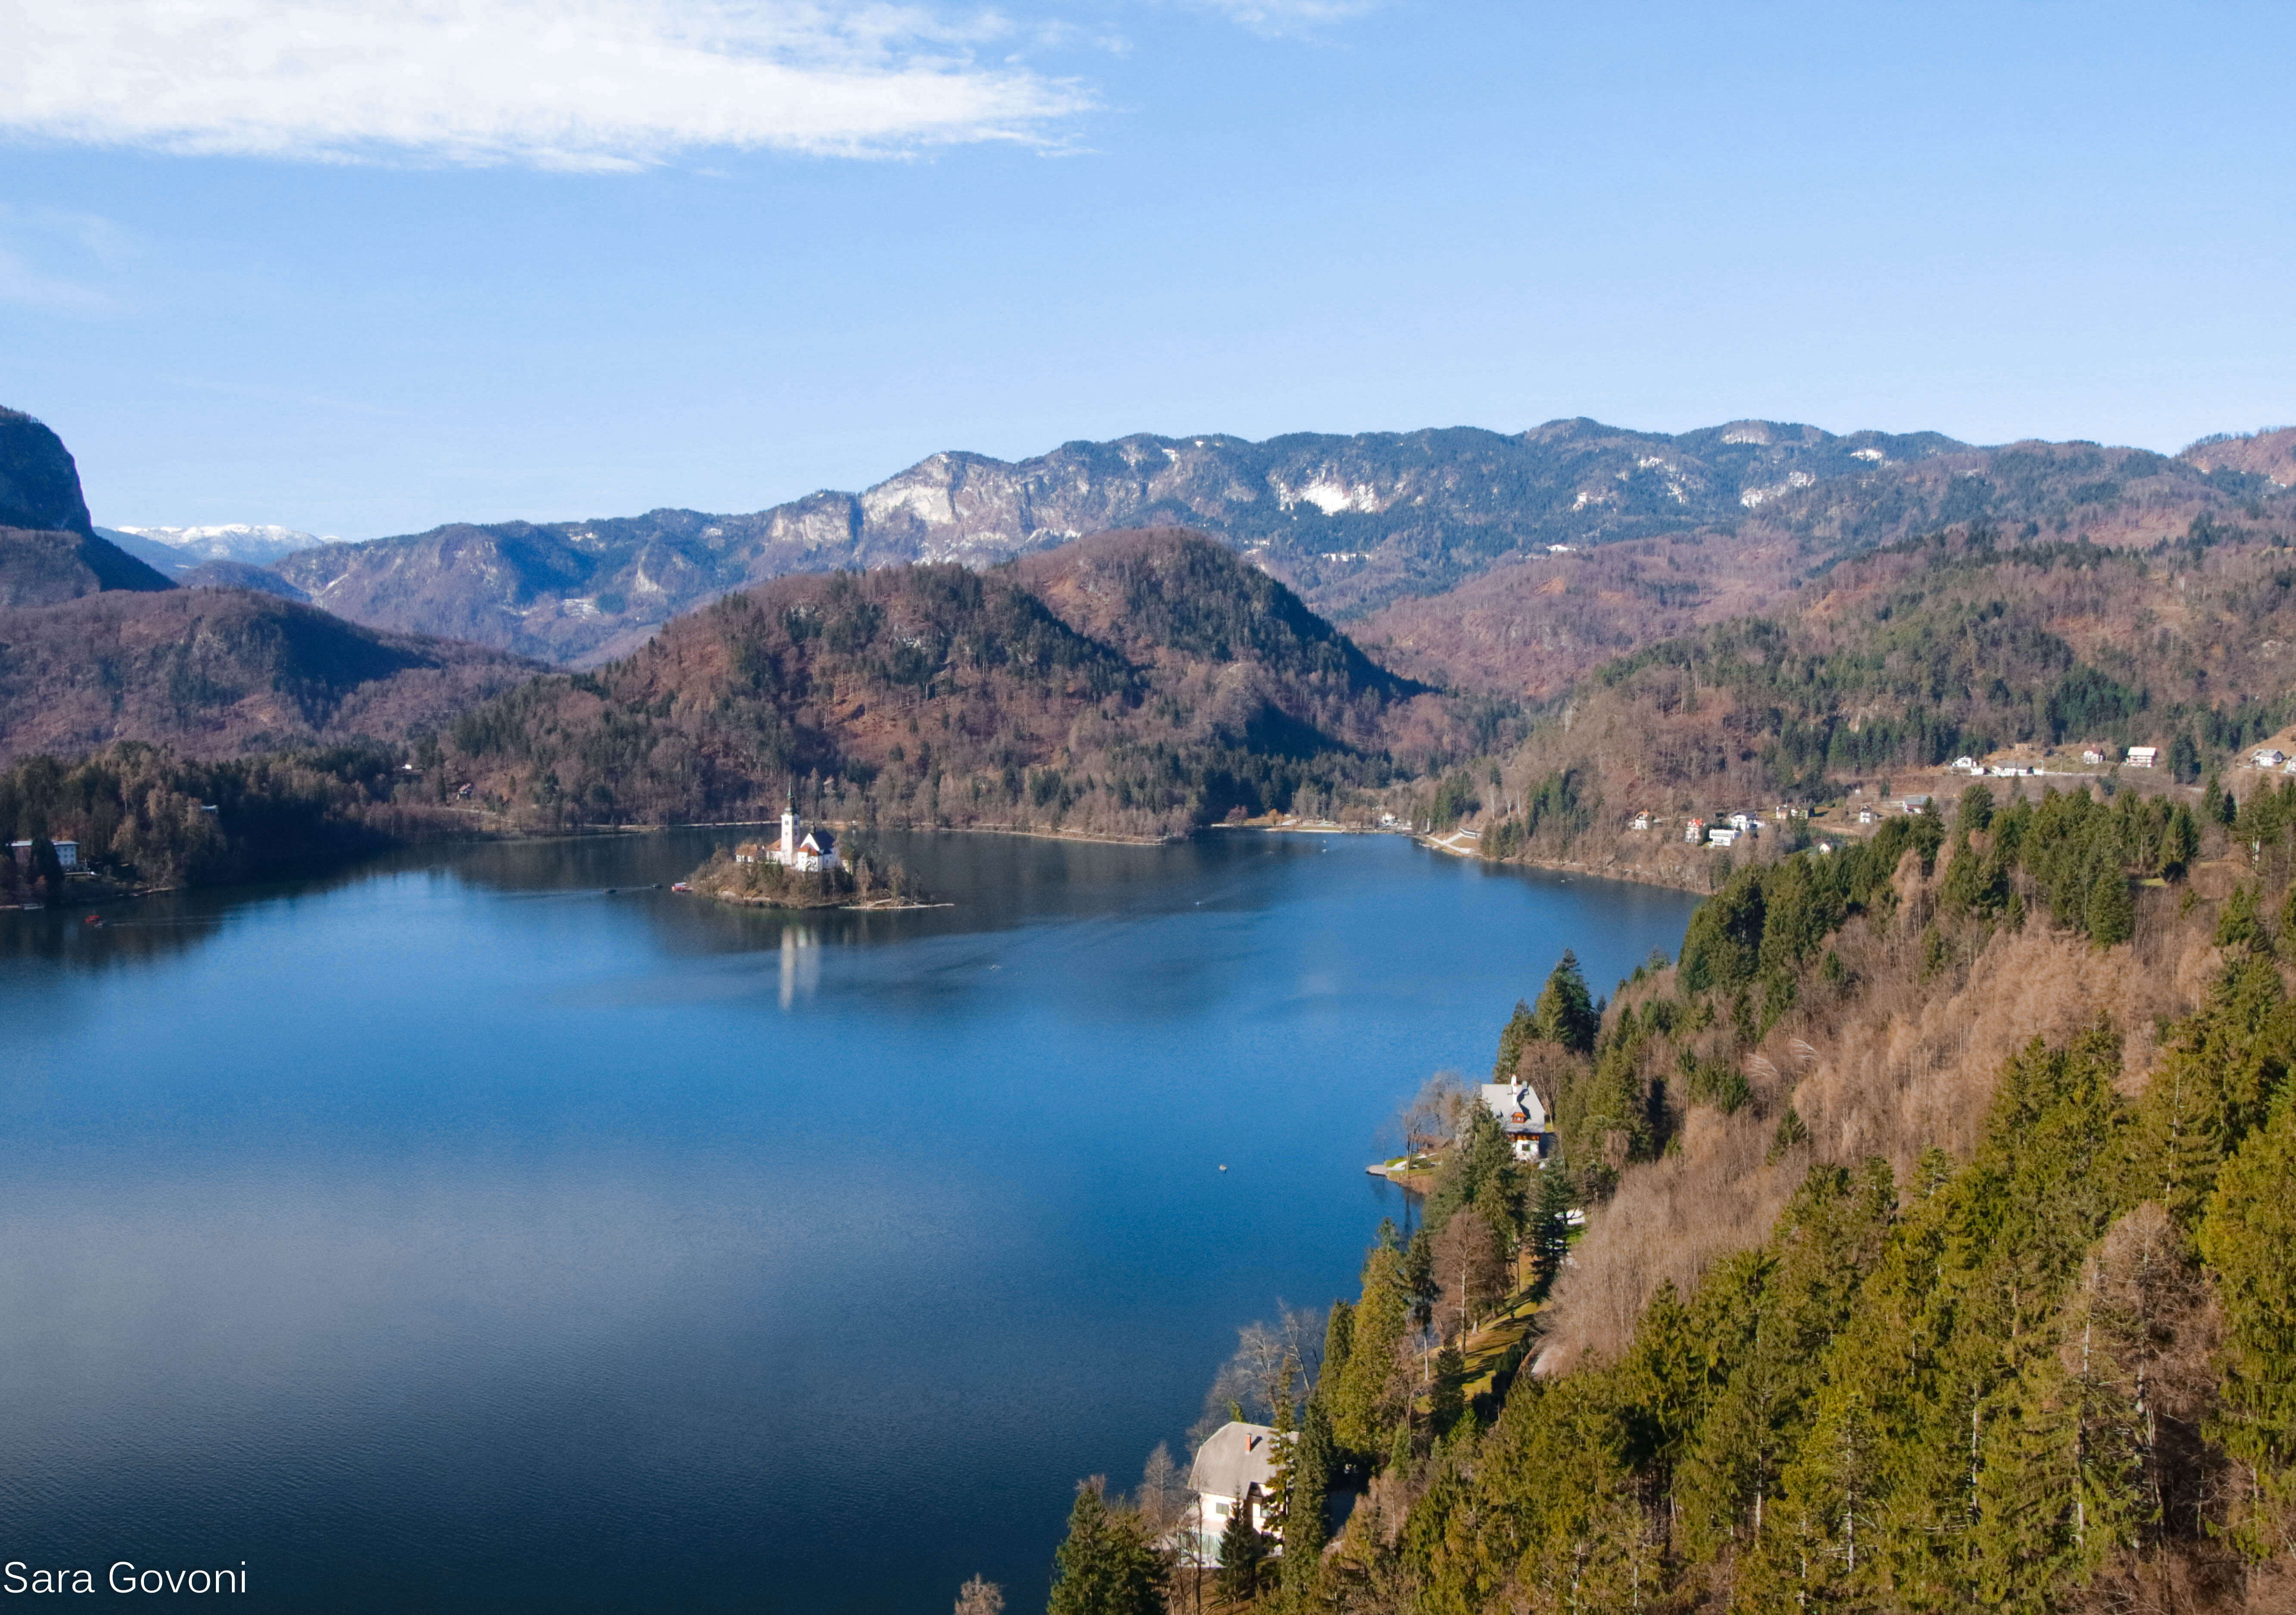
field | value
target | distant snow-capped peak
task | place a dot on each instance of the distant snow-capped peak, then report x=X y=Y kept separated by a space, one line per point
x=254 y=543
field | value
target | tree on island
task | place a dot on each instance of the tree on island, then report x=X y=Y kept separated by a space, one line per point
x=1109 y=1564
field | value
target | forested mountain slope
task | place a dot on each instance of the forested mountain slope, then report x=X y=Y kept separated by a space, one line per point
x=1530 y=626
x=1884 y=667
x=1136 y=683
x=1937 y=1253
x=1350 y=522
x=215 y=673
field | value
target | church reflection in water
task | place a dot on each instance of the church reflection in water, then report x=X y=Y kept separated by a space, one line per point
x=800 y=963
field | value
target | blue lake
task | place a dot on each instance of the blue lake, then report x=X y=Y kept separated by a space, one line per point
x=457 y=1234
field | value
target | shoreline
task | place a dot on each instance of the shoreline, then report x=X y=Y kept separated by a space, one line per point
x=1631 y=874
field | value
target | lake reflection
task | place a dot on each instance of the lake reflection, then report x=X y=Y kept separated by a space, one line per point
x=462 y=1234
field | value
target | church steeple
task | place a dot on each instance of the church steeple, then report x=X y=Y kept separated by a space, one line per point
x=788 y=826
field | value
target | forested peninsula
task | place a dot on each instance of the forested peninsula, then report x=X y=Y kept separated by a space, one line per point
x=1940 y=1254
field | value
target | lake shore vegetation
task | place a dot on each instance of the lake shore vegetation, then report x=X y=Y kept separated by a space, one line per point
x=1936 y=1252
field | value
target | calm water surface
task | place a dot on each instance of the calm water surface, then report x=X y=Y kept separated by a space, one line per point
x=457 y=1234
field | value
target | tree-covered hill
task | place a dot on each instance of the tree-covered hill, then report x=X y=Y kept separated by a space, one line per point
x=1139 y=684
x=218 y=672
x=1937 y=1255
x=1964 y=642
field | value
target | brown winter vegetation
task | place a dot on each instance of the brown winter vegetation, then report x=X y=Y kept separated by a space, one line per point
x=1531 y=628
x=1896 y=1063
x=1133 y=684
x=2266 y=454
x=1886 y=667
x=216 y=673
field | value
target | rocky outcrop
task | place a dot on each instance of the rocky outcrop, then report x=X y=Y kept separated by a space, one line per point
x=48 y=549
x=39 y=484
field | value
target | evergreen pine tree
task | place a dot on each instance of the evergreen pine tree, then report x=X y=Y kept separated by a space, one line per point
x=1360 y=1403
x=48 y=869
x=1550 y=1230
x=2249 y=1238
x=2112 y=914
x=1565 y=1013
x=1519 y=1029
x=1107 y=1565
x=1305 y=1508
x=1243 y=1551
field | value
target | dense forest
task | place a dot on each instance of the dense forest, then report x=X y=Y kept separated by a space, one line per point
x=1964 y=642
x=1132 y=684
x=143 y=817
x=1938 y=1254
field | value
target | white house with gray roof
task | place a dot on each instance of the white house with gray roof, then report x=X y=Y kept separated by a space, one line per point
x=1520 y=1116
x=1234 y=1469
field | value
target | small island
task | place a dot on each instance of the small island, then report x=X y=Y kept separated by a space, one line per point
x=806 y=869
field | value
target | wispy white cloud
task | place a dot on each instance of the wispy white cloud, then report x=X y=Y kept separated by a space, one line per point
x=33 y=241
x=588 y=84
x=1283 y=16
x=28 y=286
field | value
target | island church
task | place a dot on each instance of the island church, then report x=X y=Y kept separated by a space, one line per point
x=811 y=850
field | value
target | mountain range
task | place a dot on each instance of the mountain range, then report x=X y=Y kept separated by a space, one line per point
x=1354 y=523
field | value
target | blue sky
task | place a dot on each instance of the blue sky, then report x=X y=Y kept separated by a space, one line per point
x=362 y=269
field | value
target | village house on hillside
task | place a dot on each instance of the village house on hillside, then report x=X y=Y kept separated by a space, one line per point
x=1521 y=1116
x=810 y=851
x=1234 y=1469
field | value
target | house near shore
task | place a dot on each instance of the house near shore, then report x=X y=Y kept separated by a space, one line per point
x=810 y=851
x=1234 y=1471
x=1521 y=1116
x=67 y=854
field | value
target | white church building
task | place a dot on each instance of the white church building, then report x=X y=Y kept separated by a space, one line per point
x=811 y=850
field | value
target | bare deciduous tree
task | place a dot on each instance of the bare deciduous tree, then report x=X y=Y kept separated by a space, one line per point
x=1270 y=1360
x=1163 y=1497
x=1469 y=1272
x=1437 y=1114
x=979 y=1597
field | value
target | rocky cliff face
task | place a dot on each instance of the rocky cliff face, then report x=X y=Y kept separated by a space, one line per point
x=48 y=551
x=39 y=484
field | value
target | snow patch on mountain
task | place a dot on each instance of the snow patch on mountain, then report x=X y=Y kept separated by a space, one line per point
x=254 y=544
